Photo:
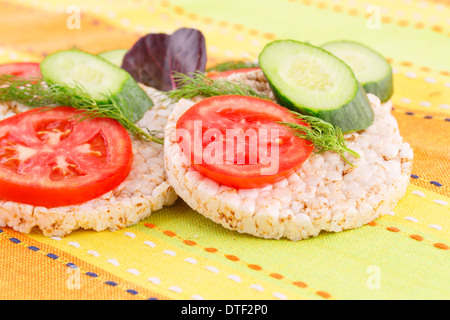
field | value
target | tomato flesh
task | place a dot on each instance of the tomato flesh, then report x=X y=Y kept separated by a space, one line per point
x=49 y=158
x=21 y=69
x=217 y=75
x=238 y=141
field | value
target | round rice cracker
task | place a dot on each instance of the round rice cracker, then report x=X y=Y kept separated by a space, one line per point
x=145 y=189
x=325 y=194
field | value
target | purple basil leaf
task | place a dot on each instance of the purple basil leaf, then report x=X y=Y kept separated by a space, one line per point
x=154 y=57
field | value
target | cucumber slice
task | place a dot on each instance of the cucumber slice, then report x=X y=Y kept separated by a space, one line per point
x=114 y=56
x=99 y=77
x=310 y=80
x=370 y=68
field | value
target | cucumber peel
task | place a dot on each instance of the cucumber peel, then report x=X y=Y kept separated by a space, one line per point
x=371 y=69
x=312 y=81
x=114 y=56
x=102 y=80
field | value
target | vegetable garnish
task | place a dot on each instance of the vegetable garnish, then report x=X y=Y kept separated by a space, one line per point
x=237 y=141
x=371 y=69
x=48 y=158
x=199 y=83
x=34 y=92
x=312 y=81
x=100 y=78
x=154 y=57
x=324 y=135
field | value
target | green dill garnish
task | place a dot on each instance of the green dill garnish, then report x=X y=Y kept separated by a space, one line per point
x=198 y=83
x=34 y=92
x=322 y=134
x=232 y=65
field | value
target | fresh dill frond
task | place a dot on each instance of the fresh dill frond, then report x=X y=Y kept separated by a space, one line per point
x=322 y=134
x=34 y=92
x=194 y=84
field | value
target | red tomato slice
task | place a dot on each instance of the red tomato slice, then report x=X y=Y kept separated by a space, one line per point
x=238 y=142
x=49 y=158
x=217 y=75
x=21 y=69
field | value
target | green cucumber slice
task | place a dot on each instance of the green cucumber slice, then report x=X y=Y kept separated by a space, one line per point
x=114 y=56
x=99 y=77
x=370 y=68
x=310 y=80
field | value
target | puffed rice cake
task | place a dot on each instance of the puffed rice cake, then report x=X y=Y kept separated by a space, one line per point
x=145 y=189
x=325 y=194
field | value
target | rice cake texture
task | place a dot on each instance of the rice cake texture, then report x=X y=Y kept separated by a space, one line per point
x=325 y=194
x=145 y=189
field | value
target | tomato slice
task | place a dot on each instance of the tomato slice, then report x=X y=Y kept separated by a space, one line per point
x=217 y=75
x=21 y=69
x=49 y=158
x=238 y=141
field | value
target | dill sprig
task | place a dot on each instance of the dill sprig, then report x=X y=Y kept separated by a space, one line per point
x=194 y=84
x=34 y=92
x=322 y=134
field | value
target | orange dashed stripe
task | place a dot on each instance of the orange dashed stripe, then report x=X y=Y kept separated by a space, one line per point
x=238 y=27
x=231 y=257
x=223 y=24
x=440 y=246
x=392 y=229
x=406 y=63
x=323 y=294
x=300 y=284
x=253 y=32
x=254 y=267
x=355 y=12
x=270 y=36
x=207 y=20
x=403 y=23
x=437 y=29
x=178 y=10
x=192 y=16
x=412 y=236
x=169 y=233
x=234 y=258
x=277 y=276
x=416 y=237
x=421 y=68
x=190 y=242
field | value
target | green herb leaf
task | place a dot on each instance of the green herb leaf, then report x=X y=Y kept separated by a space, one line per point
x=194 y=84
x=322 y=134
x=34 y=92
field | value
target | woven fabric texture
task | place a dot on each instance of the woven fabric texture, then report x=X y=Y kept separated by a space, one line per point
x=176 y=253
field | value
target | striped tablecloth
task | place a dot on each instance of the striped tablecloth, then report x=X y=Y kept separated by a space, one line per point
x=176 y=253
